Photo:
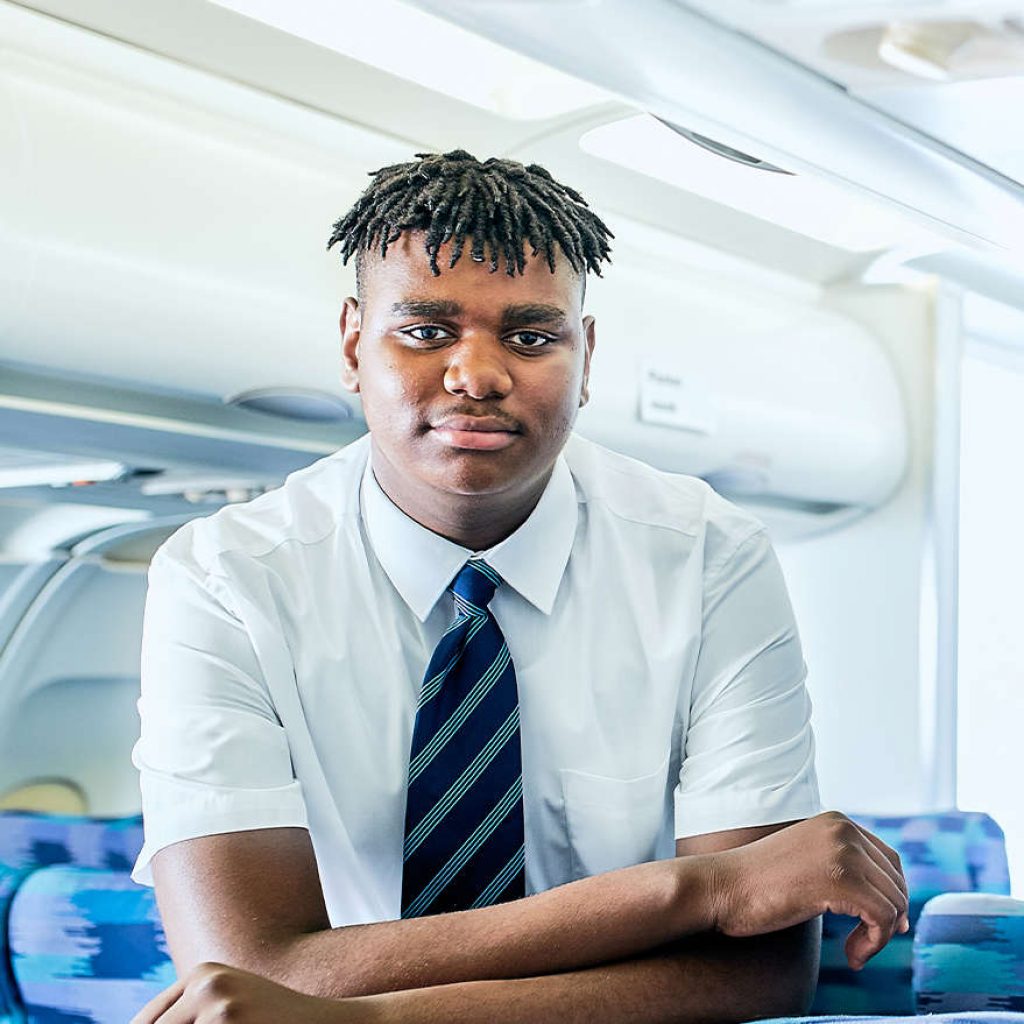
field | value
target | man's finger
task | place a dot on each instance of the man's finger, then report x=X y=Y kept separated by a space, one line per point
x=159 y=1004
x=855 y=942
x=185 y=1011
x=891 y=857
x=888 y=861
x=878 y=867
x=879 y=917
x=888 y=888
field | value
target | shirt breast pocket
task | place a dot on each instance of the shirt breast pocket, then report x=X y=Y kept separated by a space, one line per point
x=613 y=823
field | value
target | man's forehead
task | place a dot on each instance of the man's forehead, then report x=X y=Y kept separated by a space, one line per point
x=405 y=272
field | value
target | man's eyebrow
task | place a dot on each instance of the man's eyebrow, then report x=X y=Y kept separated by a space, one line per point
x=532 y=313
x=427 y=308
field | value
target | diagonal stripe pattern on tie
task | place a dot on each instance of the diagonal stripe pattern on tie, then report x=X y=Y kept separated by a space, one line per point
x=464 y=812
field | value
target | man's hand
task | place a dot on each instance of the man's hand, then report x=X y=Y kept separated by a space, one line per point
x=824 y=863
x=213 y=993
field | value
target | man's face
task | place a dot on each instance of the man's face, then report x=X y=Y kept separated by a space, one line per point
x=470 y=381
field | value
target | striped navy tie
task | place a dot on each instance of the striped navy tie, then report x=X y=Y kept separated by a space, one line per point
x=464 y=815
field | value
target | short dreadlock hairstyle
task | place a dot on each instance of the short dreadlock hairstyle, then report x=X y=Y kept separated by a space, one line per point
x=499 y=205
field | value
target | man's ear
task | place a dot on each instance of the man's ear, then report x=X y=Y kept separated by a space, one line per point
x=350 y=323
x=589 y=338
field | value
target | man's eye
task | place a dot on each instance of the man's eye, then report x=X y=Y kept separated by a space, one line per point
x=531 y=339
x=428 y=332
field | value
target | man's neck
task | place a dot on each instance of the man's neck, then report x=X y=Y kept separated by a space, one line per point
x=474 y=521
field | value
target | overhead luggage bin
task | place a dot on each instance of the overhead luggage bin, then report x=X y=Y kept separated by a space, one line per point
x=702 y=76
x=796 y=410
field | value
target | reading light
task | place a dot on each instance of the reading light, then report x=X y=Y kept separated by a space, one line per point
x=61 y=474
x=924 y=49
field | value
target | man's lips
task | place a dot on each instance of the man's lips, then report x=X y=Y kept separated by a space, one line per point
x=479 y=433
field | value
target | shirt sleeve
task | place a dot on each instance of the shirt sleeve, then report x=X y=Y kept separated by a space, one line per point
x=212 y=756
x=748 y=756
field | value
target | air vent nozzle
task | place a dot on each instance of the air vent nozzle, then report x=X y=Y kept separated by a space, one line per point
x=304 y=404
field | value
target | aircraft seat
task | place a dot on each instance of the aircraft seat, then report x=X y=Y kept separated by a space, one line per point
x=947 y=852
x=969 y=954
x=86 y=946
x=30 y=840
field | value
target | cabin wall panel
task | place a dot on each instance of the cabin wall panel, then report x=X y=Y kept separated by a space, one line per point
x=82 y=730
x=779 y=391
x=858 y=595
x=69 y=680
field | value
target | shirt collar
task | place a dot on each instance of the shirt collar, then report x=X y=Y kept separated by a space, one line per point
x=421 y=563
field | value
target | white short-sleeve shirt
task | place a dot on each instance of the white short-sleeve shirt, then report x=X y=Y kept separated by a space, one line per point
x=660 y=675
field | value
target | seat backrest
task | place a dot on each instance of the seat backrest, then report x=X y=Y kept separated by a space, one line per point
x=952 y=851
x=86 y=946
x=969 y=953
x=31 y=840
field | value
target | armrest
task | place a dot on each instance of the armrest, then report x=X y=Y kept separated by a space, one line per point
x=969 y=954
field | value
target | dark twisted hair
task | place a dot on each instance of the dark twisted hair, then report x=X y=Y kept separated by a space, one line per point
x=499 y=205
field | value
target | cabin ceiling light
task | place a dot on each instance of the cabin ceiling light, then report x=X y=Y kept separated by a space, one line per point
x=946 y=50
x=925 y=49
x=61 y=474
x=429 y=51
x=809 y=206
x=303 y=404
x=205 y=487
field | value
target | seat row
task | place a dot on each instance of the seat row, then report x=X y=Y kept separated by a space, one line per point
x=80 y=943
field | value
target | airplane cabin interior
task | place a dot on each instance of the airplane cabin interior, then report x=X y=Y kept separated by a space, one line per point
x=815 y=304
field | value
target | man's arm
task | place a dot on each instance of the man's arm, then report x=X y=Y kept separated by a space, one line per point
x=696 y=982
x=706 y=977
x=772 y=884
x=253 y=900
x=667 y=989
x=736 y=972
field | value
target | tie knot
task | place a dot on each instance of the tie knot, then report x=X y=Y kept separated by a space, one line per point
x=474 y=587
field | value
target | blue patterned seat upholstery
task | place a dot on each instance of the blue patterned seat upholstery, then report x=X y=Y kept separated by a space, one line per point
x=10 y=879
x=86 y=945
x=969 y=1017
x=969 y=954
x=956 y=851
x=30 y=840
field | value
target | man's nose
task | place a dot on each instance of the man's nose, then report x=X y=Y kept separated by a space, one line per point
x=477 y=368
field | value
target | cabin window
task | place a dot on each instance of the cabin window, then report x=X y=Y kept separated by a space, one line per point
x=48 y=796
x=990 y=690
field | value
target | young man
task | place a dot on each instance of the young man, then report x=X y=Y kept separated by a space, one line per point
x=424 y=727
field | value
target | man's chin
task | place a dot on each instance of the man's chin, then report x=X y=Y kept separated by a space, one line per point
x=465 y=472
x=481 y=476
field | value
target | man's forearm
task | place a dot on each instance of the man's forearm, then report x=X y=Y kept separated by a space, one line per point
x=748 y=915
x=707 y=979
x=605 y=918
